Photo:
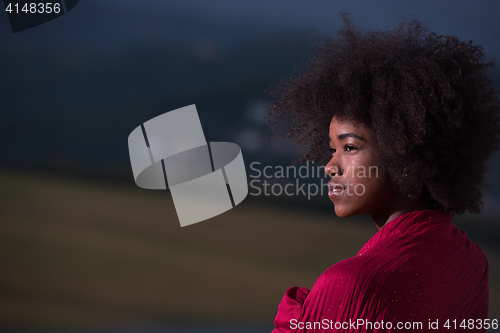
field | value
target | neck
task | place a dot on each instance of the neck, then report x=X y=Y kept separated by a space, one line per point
x=400 y=206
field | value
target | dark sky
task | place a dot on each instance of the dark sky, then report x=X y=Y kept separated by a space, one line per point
x=470 y=20
x=73 y=88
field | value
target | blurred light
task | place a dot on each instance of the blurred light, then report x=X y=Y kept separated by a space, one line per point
x=205 y=49
x=256 y=110
x=249 y=139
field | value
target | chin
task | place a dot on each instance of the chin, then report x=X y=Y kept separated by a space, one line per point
x=342 y=212
x=347 y=210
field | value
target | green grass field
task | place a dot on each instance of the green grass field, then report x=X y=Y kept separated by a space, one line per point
x=79 y=253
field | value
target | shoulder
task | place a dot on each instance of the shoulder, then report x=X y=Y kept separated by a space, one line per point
x=348 y=288
x=348 y=276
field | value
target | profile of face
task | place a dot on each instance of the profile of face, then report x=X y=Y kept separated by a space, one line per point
x=358 y=186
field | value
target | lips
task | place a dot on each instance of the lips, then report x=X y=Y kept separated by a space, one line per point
x=335 y=189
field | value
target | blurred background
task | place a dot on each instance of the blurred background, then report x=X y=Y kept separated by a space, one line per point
x=82 y=249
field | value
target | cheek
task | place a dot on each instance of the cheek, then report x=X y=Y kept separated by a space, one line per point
x=375 y=185
x=377 y=189
x=366 y=176
x=371 y=182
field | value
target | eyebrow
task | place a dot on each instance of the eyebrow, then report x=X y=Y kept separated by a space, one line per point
x=351 y=135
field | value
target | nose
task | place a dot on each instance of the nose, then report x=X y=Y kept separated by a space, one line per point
x=333 y=168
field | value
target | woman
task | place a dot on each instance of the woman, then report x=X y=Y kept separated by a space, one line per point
x=412 y=122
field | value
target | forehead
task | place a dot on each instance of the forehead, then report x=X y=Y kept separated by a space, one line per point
x=345 y=126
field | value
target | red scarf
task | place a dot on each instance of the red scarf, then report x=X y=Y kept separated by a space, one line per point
x=418 y=268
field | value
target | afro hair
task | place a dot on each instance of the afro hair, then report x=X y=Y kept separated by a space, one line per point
x=427 y=99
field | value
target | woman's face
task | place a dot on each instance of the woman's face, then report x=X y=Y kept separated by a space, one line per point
x=358 y=185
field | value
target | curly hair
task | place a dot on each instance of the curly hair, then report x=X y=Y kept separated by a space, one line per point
x=432 y=109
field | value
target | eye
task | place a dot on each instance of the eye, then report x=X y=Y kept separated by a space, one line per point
x=333 y=150
x=349 y=148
